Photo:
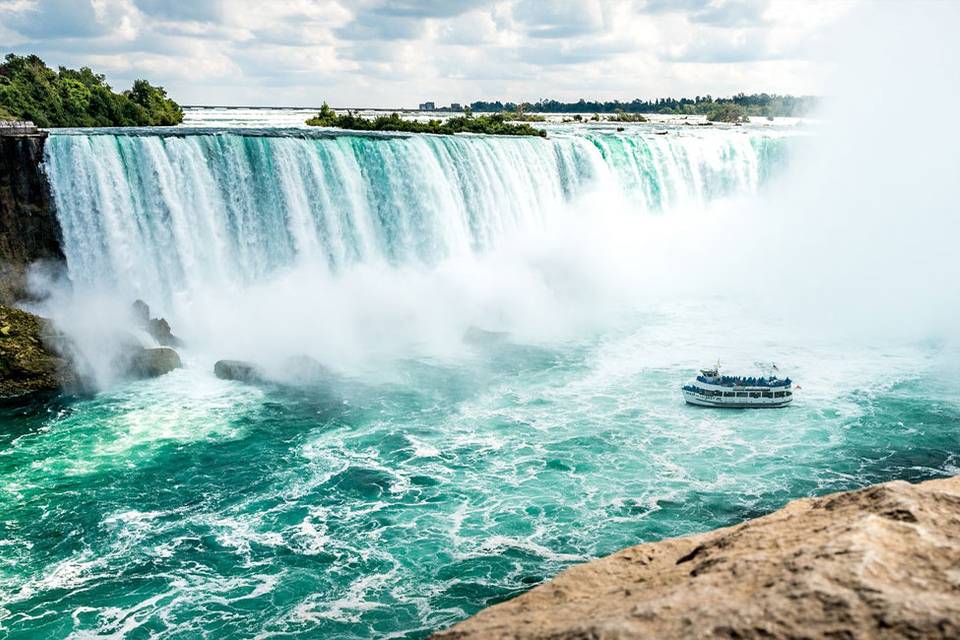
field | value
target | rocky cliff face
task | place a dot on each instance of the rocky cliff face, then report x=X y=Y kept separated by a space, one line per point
x=30 y=363
x=29 y=231
x=882 y=562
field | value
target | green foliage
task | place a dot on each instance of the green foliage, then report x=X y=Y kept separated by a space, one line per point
x=728 y=113
x=467 y=123
x=514 y=116
x=326 y=118
x=30 y=90
x=621 y=116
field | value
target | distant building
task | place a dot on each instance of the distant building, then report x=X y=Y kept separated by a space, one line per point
x=455 y=106
x=428 y=106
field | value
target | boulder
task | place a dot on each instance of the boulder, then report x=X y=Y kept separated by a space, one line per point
x=30 y=363
x=882 y=562
x=151 y=363
x=237 y=370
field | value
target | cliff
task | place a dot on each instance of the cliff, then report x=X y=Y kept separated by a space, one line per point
x=29 y=231
x=882 y=562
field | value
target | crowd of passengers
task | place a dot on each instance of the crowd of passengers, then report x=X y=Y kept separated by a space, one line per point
x=738 y=381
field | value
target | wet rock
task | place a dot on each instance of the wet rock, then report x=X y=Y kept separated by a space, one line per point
x=135 y=361
x=152 y=363
x=30 y=363
x=881 y=562
x=141 y=312
x=237 y=370
x=158 y=328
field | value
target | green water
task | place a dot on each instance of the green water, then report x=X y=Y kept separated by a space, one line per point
x=397 y=503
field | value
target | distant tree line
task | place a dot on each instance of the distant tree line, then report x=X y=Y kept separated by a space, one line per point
x=758 y=104
x=30 y=90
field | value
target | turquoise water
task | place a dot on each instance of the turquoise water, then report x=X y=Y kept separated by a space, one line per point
x=188 y=507
x=436 y=468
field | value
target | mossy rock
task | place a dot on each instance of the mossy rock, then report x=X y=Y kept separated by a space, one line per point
x=28 y=362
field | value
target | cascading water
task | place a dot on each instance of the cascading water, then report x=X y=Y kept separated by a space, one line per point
x=164 y=214
x=411 y=485
x=394 y=502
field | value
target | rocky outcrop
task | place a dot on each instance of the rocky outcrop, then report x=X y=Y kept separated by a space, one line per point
x=136 y=361
x=882 y=562
x=30 y=365
x=238 y=370
x=158 y=328
x=37 y=360
x=29 y=230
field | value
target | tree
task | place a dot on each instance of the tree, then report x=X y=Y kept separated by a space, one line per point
x=30 y=90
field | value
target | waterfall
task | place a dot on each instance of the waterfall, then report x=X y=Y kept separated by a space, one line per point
x=168 y=213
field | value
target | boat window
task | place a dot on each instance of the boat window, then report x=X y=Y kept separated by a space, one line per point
x=728 y=394
x=789 y=393
x=778 y=394
x=754 y=394
x=741 y=394
x=767 y=394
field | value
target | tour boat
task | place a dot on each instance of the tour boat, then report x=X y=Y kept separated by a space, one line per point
x=712 y=389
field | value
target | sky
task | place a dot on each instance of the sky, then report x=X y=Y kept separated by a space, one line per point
x=398 y=53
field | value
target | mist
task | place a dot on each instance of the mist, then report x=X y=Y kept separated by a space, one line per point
x=855 y=242
x=868 y=218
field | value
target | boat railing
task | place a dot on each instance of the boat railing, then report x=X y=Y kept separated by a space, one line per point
x=739 y=381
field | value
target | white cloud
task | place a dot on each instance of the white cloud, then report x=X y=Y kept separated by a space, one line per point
x=400 y=52
x=561 y=19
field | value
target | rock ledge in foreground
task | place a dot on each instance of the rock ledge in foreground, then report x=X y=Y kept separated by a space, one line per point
x=882 y=562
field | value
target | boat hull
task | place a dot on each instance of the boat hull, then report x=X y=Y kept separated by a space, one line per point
x=736 y=403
